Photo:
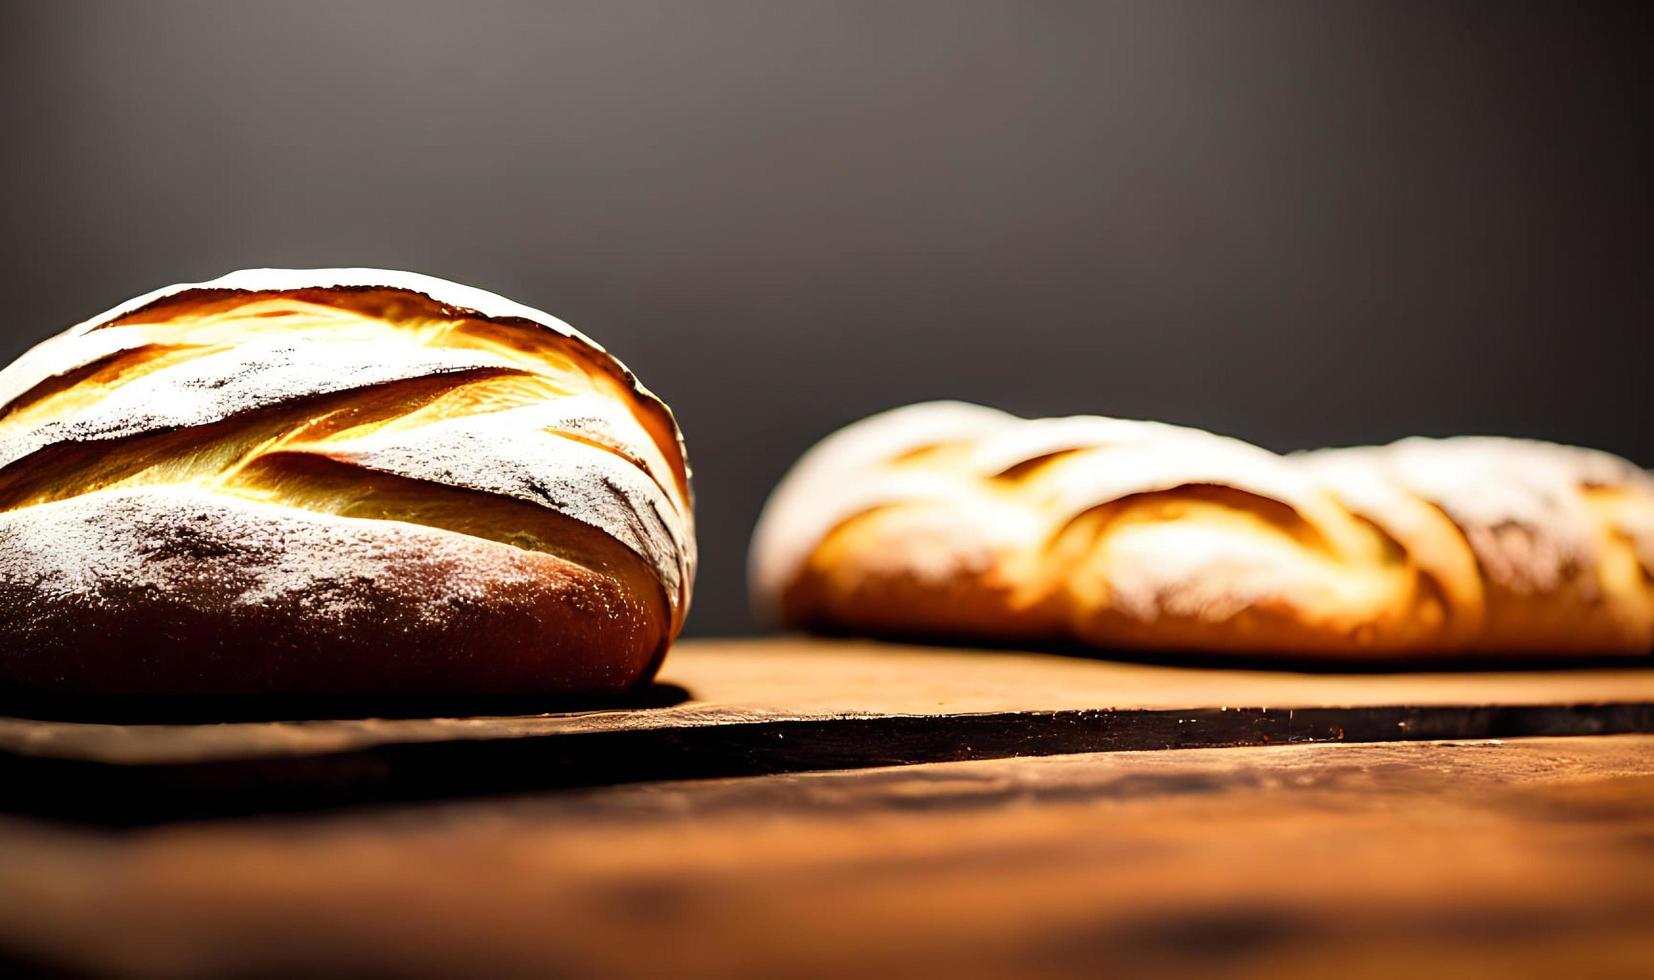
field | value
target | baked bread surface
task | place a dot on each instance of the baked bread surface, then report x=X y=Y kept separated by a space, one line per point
x=335 y=481
x=953 y=520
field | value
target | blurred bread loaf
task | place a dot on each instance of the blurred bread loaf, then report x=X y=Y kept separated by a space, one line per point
x=953 y=520
x=339 y=481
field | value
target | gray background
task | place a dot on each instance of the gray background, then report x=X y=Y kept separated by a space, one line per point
x=1300 y=223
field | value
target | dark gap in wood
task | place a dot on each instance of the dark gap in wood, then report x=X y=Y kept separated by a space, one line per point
x=123 y=795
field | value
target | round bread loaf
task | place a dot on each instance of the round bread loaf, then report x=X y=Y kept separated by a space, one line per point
x=954 y=520
x=336 y=481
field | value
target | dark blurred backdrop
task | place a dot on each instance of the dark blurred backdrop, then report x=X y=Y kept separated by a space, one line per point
x=1302 y=223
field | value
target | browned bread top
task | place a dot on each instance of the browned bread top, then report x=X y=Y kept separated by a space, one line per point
x=946 y=518
x=368 y=434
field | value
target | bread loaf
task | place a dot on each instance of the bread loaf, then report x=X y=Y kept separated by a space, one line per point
x=953 y=520
x=339 y=481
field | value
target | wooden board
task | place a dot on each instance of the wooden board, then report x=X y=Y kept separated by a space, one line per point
x=1528 y=858
x=765 y=706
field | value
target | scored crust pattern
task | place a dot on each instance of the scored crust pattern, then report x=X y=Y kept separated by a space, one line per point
x=954 y=520
x=374 y=419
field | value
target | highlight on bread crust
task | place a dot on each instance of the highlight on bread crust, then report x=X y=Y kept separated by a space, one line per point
x=952 y=520
x=338 y=480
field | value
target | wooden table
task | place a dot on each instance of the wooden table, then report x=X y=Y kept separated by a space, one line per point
x=1530 y=856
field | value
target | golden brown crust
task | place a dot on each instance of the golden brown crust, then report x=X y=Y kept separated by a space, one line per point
x=953 y=520
x=168 y=591
x=335 y=481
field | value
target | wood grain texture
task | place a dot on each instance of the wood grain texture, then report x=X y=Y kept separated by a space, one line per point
x=765 y=706
x=1524 y=858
